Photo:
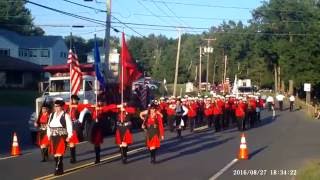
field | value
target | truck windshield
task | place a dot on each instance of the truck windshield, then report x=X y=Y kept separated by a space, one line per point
x=245 y=89
x=60 y=86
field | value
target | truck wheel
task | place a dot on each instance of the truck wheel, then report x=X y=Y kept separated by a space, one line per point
x=87 y=126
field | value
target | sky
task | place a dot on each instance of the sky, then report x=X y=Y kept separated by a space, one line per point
x=197 y=15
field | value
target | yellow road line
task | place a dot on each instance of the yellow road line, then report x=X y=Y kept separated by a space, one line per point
x=88 y=165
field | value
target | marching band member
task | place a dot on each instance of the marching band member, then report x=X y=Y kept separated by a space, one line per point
x=152 y=124
x=59 y=131
x=42 y=137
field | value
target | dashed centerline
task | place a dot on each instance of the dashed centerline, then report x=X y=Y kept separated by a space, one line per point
x=219 y=173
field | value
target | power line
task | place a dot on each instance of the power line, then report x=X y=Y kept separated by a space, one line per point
x=158 y=7
x=157 y=25
x=79 y=17
x=162 y=20
x=187 y=17
x=164 y=29
x=172 y=12
x=96 y=9
x=226 y=19
x=103 y=11
x=66 y=13
x=218 y=6
x=201 y=5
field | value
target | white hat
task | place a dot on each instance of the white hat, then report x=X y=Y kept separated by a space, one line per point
x=85 y=101
x=58 y=99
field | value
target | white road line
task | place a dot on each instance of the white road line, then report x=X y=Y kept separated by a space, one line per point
x=10 y=157
x=201 y=128
x=214 y=177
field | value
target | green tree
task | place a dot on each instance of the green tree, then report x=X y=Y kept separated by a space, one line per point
x=16 y=17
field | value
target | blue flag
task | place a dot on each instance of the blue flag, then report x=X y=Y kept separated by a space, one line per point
x=97 y=63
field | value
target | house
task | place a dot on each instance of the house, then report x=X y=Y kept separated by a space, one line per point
x=16 y=73
x=41 y=50
x=114 y=59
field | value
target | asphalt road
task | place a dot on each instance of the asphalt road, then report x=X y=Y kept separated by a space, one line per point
x=14 y=119
x=287 y=142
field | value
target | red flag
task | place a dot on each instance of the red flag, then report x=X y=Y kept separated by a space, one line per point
x=75 y=73
x=129 y=67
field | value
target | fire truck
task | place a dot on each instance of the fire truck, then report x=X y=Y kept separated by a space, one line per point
x=58 y=85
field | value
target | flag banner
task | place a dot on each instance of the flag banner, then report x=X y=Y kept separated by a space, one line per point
x=128 y=66
x=75 y=73
x=97 y=65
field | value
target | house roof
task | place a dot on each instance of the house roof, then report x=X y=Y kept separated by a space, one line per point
x=30 y=41
x=11 y=63
x=65 y=68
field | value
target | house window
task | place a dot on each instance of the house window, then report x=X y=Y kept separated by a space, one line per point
x=25 y=52
x=63 y=54
x=20 y=52
x=45 y=53
x=4 y=52
x=33 y=53
x=14 y=77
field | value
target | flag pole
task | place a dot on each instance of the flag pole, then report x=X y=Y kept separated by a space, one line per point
x=70 y=68
x=96 y=79
x=122 y=59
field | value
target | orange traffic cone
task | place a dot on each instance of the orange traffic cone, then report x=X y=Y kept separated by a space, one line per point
x=15 y=150
x=243 y=153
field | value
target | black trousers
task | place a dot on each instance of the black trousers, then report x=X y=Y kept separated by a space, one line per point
x=281 y=105
x=226 y=118
x=170 y=122
x=192 y=122
x=209 y=120
x=240 y=123
x=217 y=122
x=291 y=105
x=251 y=118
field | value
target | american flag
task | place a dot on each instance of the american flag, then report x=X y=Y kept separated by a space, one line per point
x=75 y=73
x=143 y=95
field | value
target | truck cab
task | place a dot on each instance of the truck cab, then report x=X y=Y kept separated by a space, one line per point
x=58 y=85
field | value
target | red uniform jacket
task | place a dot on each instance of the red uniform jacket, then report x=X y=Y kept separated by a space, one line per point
x=171 y=110
x=192 y=110
x=208 y=109
x=239 y=112
x=216 y=109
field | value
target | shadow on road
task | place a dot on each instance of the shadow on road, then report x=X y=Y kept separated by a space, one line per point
x=196 y=150
x=257 y=151
x=137 y=143
x=265 y=121
x=185 y=146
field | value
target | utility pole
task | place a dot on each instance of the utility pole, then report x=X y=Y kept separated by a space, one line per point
x=225 y=68
x=196 y=74
x=70 y=40
x=208 y=50
x=200 y=64
x=275 y=78
x=177 y=65
x=107 y=38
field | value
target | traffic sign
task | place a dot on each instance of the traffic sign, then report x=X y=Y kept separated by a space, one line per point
x=307 y=87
